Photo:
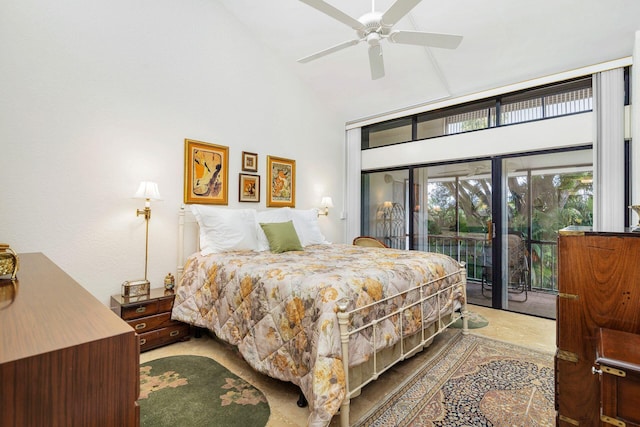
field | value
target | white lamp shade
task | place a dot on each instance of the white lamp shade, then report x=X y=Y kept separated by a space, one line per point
x=148 y=190
x=326 y=202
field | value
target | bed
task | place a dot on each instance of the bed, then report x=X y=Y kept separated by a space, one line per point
x=329 y=318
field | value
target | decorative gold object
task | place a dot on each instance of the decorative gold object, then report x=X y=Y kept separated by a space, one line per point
x=9 y=262
x=169 y=282
x=636 y=209
x=8 y=292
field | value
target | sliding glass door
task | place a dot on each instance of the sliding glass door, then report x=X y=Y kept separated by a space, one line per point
x=452 y=215
x=544 y=194
x=500 y=216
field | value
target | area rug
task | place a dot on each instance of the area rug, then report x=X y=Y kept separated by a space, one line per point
x=475 y=321
x=473 y=381
x=197 y=391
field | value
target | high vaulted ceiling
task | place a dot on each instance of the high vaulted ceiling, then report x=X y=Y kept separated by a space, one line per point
x=505 y=42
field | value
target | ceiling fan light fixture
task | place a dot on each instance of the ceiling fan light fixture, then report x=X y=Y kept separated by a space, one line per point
x=373 y=39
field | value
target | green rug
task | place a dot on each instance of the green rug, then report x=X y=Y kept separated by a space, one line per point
x=472 y=381
x=197 y=391
x=476 y=321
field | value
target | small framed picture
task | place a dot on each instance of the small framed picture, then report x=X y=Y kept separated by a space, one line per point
x=206 y=172
x=249 y=162
x=249 y=188
x=281 y=185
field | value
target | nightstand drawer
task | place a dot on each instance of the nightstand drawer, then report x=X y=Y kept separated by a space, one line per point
x=163 y=336
x=145 y=324
x=146 y=308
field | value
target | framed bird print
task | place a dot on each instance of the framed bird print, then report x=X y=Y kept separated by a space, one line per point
x=281 y=184
x=206 y=173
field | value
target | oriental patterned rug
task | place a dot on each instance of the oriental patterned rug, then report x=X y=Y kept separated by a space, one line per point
x=197 y=391
x=473 y=381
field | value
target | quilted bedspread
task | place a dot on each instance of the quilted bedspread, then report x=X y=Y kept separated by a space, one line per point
x=280 y=309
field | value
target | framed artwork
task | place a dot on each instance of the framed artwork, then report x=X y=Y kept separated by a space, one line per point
x=206 y=173
x=249 y=188
x=281 y=185
x=249 y=162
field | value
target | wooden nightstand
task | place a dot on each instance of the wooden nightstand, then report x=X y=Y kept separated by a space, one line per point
x=150 y=317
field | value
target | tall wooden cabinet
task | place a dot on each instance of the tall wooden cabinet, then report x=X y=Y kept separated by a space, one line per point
x=65 y=358
x=598 y=287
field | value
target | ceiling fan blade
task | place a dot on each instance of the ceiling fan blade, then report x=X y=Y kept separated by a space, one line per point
x=445 y=41
x=397 y=11
x=327 y=9
x=376 y=62
x=328 y=51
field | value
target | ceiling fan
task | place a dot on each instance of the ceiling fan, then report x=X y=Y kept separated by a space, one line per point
x=374 y=27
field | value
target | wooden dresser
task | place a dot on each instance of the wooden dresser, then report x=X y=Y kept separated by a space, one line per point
x=598 y=287
x=150 y=316
x=65 y=358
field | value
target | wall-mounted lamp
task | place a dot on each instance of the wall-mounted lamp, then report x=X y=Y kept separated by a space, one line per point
x=148 y=191
x=325 y=204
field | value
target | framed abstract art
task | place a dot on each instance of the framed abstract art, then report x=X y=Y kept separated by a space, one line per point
x=206 y=173
x=249 y=188
x=249 y=162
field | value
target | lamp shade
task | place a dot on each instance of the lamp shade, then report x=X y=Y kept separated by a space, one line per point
x=326 y=202
x=148 y=190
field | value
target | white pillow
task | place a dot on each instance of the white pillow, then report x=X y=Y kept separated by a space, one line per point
x=306 y=225
x=223 y=230
x=268 y=216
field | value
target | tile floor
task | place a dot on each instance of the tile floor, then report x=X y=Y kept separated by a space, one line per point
x=519 y=329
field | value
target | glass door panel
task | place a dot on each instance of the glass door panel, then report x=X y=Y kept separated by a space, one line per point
x=545 y=194
x=452 y=215
x=385 y=200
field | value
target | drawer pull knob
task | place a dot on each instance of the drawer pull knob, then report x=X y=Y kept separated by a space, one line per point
x=174 y=333
x=141 y=309
x=140 y=326
x=143 y=341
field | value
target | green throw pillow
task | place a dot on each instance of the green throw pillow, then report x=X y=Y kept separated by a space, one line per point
x=282 y=236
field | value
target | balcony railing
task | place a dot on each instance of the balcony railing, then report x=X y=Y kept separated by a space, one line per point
x=475 y=250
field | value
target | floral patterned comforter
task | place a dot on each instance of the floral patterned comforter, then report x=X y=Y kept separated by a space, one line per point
x=280 y=309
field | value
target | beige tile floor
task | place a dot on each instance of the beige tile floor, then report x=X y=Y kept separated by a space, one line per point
x=519 y=329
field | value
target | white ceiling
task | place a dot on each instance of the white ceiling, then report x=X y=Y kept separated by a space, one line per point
x=505 y=42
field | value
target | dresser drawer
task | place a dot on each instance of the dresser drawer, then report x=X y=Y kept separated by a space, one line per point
x=618 y=362
x=145 y=324
x=163 y=336
x=146 y=308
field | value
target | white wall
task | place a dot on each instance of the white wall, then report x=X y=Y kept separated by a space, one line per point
x=99 y=95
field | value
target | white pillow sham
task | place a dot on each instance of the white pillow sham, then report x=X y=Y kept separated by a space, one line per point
x=305 y=222
x=223 y=229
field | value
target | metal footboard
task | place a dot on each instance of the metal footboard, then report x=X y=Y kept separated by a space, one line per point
x=344 y=320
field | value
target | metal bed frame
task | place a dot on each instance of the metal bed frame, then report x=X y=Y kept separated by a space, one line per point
x=441 y=320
